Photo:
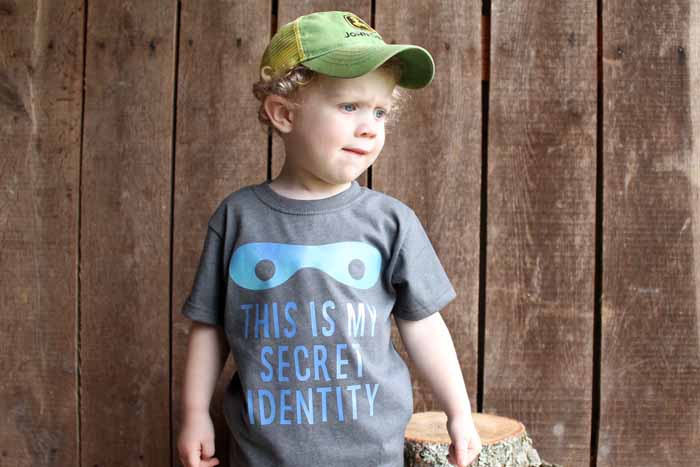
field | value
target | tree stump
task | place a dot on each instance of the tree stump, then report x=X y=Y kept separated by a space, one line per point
x=505 y=442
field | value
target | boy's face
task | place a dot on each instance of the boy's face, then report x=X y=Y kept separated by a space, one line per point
x=337 y=115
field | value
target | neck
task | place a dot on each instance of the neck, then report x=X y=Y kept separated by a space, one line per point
x=300 y=184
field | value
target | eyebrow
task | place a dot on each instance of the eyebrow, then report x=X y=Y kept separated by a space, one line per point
x=353 y=97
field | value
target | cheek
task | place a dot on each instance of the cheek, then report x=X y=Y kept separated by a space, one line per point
x=335 y=127
x=309 y=122
x=327 y=122
x=381 y=137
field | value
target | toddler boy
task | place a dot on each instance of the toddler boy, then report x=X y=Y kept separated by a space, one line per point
x=299 y=276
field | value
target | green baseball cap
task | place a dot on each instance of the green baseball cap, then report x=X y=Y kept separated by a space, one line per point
x=342 y=45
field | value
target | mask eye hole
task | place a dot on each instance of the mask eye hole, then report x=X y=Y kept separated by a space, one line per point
x=265 y=269
x=356 y=268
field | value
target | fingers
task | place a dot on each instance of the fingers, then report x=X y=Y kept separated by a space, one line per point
x=208 y=448
x=194 y=459
x=461 y=457
x=452 y=457
x=209 y=462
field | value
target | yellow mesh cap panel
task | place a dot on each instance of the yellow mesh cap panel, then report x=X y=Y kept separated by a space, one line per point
x=284 y=50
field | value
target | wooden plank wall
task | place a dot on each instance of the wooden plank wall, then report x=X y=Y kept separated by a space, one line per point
x=541 y=222
x=650 y=358
x=431 y=160
x=560 y=187
x=220 y=146
x=41 y=70
x=124 y=243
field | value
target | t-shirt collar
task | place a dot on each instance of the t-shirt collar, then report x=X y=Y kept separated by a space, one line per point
x=306 y=206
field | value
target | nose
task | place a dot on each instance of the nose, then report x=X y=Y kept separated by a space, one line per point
x=367 y=128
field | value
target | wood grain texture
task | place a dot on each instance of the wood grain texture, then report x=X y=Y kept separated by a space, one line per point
x=432 y=162
x=41 y=65
x=220 y=147
x=650 y=364
x=541 y=222
x=85 y=249
x=125 y=233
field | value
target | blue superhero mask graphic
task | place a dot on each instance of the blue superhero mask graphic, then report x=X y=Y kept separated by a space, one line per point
x=262 y=265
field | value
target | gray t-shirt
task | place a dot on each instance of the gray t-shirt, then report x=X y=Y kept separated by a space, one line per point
x=305 y=290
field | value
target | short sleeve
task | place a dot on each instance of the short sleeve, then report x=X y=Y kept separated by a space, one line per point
x=421 y=284
x=205 y=302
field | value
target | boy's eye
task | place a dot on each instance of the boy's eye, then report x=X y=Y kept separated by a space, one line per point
x=379 y=113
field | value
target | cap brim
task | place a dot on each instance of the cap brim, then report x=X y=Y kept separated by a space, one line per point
x=351 y=62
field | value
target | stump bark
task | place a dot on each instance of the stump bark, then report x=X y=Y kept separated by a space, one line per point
x=505 y=442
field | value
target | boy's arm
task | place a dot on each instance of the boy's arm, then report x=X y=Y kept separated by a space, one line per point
x=429 y=345
x=207 y=351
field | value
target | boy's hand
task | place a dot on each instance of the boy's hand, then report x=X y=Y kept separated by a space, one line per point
x=466 y=443
x=195 y=445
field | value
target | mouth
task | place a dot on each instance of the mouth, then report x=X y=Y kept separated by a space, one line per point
x=359 y=152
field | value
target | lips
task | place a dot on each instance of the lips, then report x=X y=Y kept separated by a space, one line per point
x=357 y=151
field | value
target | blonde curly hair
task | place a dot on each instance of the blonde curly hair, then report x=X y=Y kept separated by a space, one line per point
x=298 y=77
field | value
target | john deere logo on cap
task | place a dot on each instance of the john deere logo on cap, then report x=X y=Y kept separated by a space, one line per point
x=358 y=23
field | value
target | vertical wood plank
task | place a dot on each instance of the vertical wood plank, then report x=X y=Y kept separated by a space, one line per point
x=220 y=147
x=432 y=161
x=650 y=368
x=41 y=65
x=541 y=222
x=125 y=233
x=289 y=10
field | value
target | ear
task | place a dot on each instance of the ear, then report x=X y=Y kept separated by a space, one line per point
x=279 y=111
